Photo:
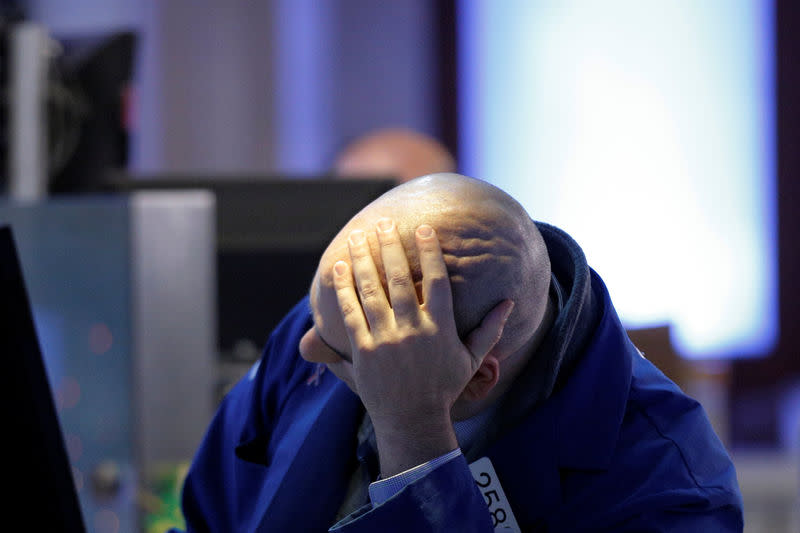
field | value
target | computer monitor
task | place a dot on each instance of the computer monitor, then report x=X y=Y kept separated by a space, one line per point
x=40 y=491
x=271 y=232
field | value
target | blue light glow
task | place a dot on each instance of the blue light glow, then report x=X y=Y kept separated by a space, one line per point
x=646 y=130
x=50 y=332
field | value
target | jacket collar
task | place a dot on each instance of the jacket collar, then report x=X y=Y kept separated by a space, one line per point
x=561 y=348
x=583 y=361
x=578 y=426
x=591 y=404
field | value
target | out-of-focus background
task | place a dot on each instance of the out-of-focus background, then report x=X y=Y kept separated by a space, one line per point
x=169 y=172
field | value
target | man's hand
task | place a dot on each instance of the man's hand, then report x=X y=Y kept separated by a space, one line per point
x=409 y=364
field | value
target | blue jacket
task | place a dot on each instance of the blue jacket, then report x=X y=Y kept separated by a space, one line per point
x=615 y=446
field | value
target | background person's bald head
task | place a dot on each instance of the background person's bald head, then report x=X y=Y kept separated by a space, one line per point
x=395 y=152
x=492 y=248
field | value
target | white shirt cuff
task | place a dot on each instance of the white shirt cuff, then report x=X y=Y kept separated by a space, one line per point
x=383 y=489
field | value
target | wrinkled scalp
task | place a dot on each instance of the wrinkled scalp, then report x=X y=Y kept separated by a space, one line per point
x=492 y=249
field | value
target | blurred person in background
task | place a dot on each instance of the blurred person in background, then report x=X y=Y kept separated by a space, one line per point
x=399 y=153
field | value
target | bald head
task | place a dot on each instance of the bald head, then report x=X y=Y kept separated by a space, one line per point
x=396 y=152
x=492 y=249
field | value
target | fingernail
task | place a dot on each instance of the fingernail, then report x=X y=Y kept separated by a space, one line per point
x=340 y=268
x=385 y=224
x=425 y=231
x=356 y=237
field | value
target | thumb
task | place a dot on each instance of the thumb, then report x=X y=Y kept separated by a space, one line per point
x=482 y=339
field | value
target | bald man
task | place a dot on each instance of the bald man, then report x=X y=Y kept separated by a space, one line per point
x=457 y=367
x=400 y=153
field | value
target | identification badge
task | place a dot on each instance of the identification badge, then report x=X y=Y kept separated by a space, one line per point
x=486 y=478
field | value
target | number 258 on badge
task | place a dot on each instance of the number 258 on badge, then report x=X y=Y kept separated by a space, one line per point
x=486 y=478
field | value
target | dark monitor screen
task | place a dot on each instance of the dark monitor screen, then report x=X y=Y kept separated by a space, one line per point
x=271 y=232
x=37 y=473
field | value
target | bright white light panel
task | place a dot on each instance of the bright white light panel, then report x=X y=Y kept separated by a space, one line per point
x=646 y=130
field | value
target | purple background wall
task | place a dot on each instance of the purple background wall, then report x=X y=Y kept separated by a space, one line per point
x=278 y=85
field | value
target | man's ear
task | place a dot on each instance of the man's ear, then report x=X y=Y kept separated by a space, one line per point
x=484 y=379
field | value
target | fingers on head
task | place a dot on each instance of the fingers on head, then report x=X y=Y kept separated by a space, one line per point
x=483 y=338
x=347 y=299
x=399 y=281
x=436 y=290
x=368 y=284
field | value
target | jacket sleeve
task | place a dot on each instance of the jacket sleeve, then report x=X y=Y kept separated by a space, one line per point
x=446 y=499
x=220 y=487
x=727 y=519
x=216 y=477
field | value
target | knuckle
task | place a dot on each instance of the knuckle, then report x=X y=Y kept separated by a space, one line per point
x=395 y=343
x=439 y=281
x=370 y=290
x=387 y=240
x=429 y=248
x=361 y=254
x=406 y=341
x=347 y=308
x=364 y=349
x=400 y=278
